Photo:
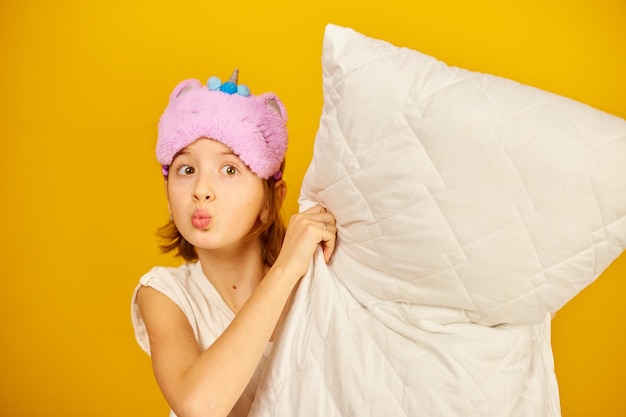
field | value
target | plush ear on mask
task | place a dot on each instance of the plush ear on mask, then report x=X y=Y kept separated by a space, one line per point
x=183 y=87
x=274 y=102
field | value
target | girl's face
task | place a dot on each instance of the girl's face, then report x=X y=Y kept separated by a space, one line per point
x=214 y=198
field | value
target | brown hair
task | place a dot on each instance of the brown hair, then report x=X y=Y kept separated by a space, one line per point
x=271 y=232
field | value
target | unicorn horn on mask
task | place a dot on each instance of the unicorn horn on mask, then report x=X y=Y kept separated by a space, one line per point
x=230 y=86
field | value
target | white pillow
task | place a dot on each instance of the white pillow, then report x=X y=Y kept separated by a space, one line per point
x=461 y=195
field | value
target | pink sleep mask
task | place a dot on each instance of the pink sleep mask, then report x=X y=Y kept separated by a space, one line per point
x=253 y=126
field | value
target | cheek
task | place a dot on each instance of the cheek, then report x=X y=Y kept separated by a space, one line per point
x=174 y=200
x=257 y=206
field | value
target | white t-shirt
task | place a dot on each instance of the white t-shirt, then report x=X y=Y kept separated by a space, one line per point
x=208 y=315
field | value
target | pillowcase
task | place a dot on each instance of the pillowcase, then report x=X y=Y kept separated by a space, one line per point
x=461 y=196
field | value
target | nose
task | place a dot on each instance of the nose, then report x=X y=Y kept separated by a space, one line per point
x=203 y=191
x=201 y=197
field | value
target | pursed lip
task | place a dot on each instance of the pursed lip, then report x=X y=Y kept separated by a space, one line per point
x=200 y=219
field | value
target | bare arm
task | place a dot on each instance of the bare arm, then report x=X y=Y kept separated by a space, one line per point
x=209 y=383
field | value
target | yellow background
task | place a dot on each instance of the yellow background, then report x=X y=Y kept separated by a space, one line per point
x=82 y=86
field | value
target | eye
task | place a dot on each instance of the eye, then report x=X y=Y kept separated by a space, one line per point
x=185 y=170
x=229 y=170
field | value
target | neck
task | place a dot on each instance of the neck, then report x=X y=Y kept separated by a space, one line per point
x=234 y=272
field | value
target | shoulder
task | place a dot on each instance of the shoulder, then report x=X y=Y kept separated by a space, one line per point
x=178 y=284
x=165 y=275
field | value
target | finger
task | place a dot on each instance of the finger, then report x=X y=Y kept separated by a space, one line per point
x=311 y=210
x=329 y=239
x=327 y=225
x=328 y=247
x=326 y=217
x=315 y=209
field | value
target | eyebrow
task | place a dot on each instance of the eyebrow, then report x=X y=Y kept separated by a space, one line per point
x=179 y=153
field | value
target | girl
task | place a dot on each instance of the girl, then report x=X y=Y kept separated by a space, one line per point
x=209 y=324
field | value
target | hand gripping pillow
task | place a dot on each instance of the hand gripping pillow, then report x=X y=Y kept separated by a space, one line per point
x=462 y=196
